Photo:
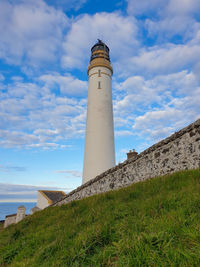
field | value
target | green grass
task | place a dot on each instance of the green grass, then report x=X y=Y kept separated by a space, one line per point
x=1 y=227
x=152 y=223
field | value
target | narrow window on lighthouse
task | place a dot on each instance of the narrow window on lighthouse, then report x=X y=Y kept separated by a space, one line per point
x=99 y=85
x=99 y=73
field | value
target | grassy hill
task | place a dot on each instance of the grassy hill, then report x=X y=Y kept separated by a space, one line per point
x=152 y=223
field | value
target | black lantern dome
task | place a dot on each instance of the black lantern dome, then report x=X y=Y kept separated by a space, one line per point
x=100 y=50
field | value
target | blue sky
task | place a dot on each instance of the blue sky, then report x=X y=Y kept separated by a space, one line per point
x=44 y=53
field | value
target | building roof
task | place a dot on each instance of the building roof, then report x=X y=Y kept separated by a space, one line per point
x=52 y=196
x=11 y=215
x=35 y=208
x=20 y=207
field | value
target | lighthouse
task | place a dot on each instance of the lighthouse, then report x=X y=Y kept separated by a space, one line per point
x=99 y=153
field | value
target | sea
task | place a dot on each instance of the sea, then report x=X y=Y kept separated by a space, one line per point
x=7 y=208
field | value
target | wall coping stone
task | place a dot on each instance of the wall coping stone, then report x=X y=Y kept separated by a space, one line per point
x=152 y=148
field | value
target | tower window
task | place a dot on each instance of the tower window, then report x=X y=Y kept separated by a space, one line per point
x=99 y=85
x=99 y=73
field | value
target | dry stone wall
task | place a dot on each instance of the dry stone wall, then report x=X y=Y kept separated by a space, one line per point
x=10 y=219
x=180 y=151
x=15 y=218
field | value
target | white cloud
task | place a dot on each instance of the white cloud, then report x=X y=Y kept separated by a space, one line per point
x=183 y=7
x=182 y=26
x=10 y=168
x=119 y=33
x=67 y=4
x=45 y=145
x=123 y=133
x=33 y=116
x=170 y=30
x=2 y=77
x=156 y=107
x=167 y=19
x=179 y=83
x=120 y=121
x=23 y=193
x=139 y=94
x=33 y=34
x=163 y=7
x=163 y=60
x=156 y=125
x=136 y=7
x=154 y=80
x=67 y=84
x=17 y=200
x=74 y=173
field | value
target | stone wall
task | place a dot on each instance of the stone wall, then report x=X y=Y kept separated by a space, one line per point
x=15 y=218
x=180 y=151
x=10 y=219
x=21 y=210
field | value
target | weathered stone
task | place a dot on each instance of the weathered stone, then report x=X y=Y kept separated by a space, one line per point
x=182 y=150
x=157 y=154
x=165 y=150
x=20 y=213
x=10 y=219
x=192 y=134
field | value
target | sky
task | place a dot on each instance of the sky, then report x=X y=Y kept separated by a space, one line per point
x=44 y=53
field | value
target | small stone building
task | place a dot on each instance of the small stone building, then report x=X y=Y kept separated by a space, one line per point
x=15 y=218
x=10 y=219
x=47 y=198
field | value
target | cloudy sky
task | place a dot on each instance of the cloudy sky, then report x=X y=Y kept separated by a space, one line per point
x=44 y=53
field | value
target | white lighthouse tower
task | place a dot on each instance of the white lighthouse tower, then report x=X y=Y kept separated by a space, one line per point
x=99 y=138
